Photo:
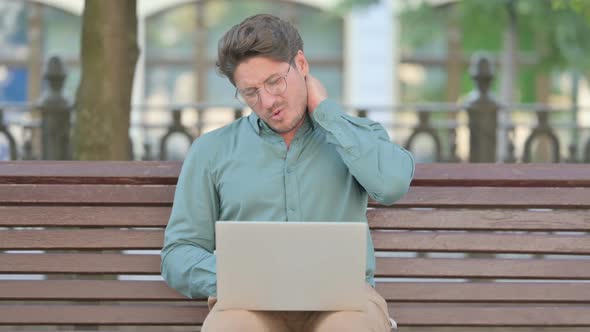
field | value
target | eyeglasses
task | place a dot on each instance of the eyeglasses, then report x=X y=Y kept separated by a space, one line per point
x=275 y=85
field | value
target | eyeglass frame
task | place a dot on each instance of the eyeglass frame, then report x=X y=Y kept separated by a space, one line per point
x=283 y=77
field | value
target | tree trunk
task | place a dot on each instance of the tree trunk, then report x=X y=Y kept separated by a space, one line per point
x=509 y=76
x=109 y=54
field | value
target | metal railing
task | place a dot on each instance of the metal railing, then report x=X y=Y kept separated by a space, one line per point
x=435 y=132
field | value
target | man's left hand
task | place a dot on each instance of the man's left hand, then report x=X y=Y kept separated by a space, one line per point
x=211 y=302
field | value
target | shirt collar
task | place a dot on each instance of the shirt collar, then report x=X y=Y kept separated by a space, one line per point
x=254 y=121
x=260 y=126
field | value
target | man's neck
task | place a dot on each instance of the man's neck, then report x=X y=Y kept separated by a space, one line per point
x=289 y=137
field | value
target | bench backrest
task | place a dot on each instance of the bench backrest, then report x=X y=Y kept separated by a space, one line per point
x=470 y=245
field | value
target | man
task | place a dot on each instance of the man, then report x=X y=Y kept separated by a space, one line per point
x=297 y=157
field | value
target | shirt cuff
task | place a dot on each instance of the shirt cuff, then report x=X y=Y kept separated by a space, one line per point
x=338 y=125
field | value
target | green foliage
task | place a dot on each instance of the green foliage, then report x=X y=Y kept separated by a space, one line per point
x=558 y=29
x=555 y=30
x=482 y=24
x=571 y=31
x=580 y=6
x=421 y=24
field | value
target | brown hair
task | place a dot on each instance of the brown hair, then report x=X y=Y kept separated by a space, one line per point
x=261 y=34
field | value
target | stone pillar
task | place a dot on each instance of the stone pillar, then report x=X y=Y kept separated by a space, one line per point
x=482 y=109
x=55 y=113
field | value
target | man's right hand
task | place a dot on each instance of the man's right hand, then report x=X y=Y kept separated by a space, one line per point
x=211 y=302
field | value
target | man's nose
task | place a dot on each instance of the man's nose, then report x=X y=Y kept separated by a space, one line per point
x=267 y=100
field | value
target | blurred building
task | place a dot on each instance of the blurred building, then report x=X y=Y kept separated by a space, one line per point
x=362 y=54
x=352 y=54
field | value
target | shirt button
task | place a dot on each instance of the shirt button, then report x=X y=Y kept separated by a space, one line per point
x=354 y=152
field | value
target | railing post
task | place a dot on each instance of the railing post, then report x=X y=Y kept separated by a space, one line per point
x=587 y=152
x=573 y=153
x=510 y=153
x=453 y=158
x=424 y=128
x=543 y=129
x=175 y=128
x=55 y=113
x=482 y=109
x=147 y=152
x=12 y=154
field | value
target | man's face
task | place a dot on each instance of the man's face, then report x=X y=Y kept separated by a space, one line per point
x=283 y=112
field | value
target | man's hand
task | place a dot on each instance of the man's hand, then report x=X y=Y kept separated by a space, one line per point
x=316 y=93
x=211 y=302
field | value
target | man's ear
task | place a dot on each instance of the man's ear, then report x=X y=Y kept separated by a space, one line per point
x=301 y=63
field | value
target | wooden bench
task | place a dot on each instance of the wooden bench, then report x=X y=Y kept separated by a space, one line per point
x=492 y=246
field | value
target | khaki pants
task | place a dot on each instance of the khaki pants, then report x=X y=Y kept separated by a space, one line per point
x=375 y=318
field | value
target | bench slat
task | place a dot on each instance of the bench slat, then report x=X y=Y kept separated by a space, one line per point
x=502 y=175
x=380 y=218
x=405 y=315
x=28 y=194
x=116 y=290
x=89 y=172
x=481 y=315
x=81 y=239
x=102 y=314
x=84 y=216
x=79 y=263
x=386 y=267
x=483 y=268
x=481 y=242
x=540 y=292
x=487 y=219
x=98 y=290
x=162 y=172
x=496 y=197
x=81 y=194
x=383 y=241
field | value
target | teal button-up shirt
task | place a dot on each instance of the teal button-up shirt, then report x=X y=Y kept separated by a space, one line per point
x=244 y=171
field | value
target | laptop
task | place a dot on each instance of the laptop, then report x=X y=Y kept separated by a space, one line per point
x=291 y=266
